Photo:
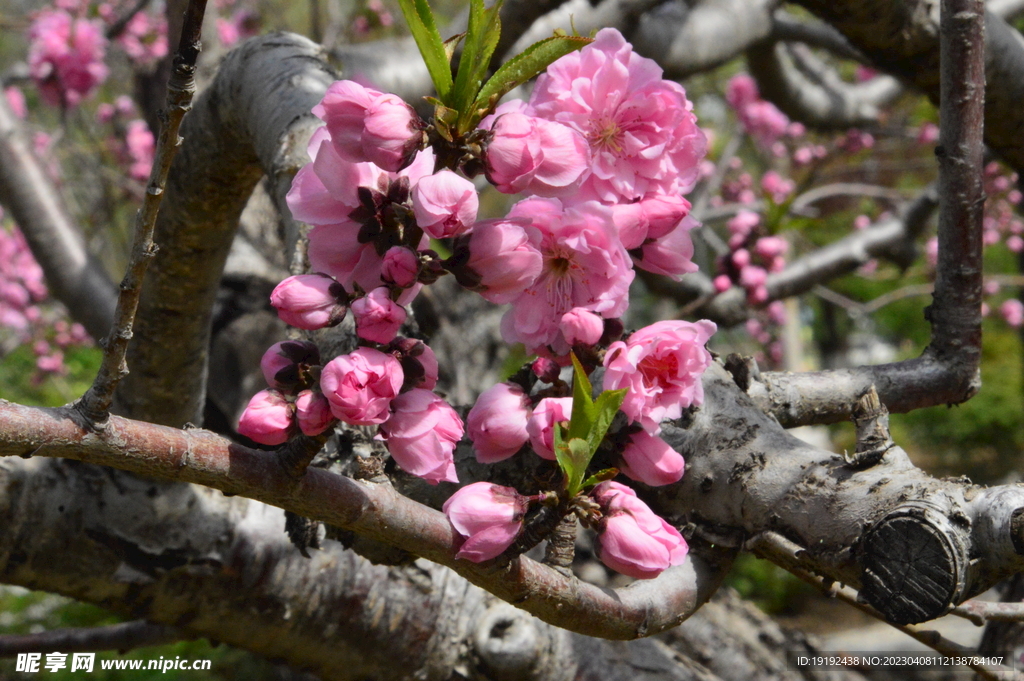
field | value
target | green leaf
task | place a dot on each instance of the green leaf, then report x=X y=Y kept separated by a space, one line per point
x=573 y=458
x=605 y=409
x=599 y=477
x=482 y=38
x=421 y=24
x=525 y=66
x=582 y=420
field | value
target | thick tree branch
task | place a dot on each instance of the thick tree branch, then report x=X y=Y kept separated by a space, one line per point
x=74 y=277
x=253 y=120
x=371 y=510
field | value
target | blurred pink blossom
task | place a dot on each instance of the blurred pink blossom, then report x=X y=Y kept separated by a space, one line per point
x=65 y=56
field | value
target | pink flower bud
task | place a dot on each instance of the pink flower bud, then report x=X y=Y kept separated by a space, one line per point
x=497 y=259
x=343 y=109
x=722 y=283
x=360 y=386
x=1012 y=311
x=651 y=218
x=770 y=247
x=546 y=369
x=401 y=266
x=284 y=363
x=540 y=426
x=445 y=204
x=579 y=325
x=419 y=364
x=313 y=412
x=528 y=154
x=268 y=419
x=309 y=301
x=752 y=277
x=672 y=254
x=758 y=295
x=650 y=460
x=661 y=365
x=744 y=222
x=391 y=133
x=741 y=258
x=633 y=539
x=497 y=422
x=378 y=318
x=489 y=517
x=421 y=435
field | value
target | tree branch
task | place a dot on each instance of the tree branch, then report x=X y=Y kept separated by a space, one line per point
x=74 y=277
x=122 y=637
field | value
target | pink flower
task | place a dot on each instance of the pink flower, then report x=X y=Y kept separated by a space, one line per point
x=144 y=38
x=761 y=119
x=752 y=277
x=369 y=125
x=528 y=154
x=584 y=266
x=722 y=283
x=540 y=426
x=650 y=460
x=497 y=422
x=313 y=412
x=268 y=419
x=378 y=318
x=633 y=540
x=65 y=57
x=325 y=193
x=361 y=385
x=672 y=254
x=744 y=222
x=16 y=100
x=661 y=365
x=489 y=517
x=497 y=259
x=401 y=266
x=546 y=369
x=581 y=326
x=284 y=363
x=139 y=141
x=777 y=187
x=770 y=247
x=421 y=435
x=642 y=134
x=445 y=204
x=309 y=301
x=1012 y=311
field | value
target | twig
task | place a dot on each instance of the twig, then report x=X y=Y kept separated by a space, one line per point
x=95 y=404
x=122 y=637
x=980 y=612
x=826 y=191
x=788 y=555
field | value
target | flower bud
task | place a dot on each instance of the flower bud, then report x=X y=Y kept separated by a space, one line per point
x=497 y=260
x=632 y=539
x=401 y=266
x=268 y=419
x=497 y=422
x=391 y=133
x=445 y=204
x=672 y=254
x=546 y=369
x=489 y=516
x=313 y=412
x=282 y=364
x=421 y=435
x=650 y=460
x=541 y=425
x=378 y=318
x=418 y=363
x=309 y=301
x=580 y=325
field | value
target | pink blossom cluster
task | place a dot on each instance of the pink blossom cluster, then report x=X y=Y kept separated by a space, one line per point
x=65 y=56
x=144 y=37
x=373 y=16
x=27 y=315
x=751 y=259
x=130 y=140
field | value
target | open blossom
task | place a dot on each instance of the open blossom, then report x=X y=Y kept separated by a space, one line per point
x=325 y=193
x=445 y=204
x=529 y=154
x=65 y=56
x=661 y=366
x=369 y=125
x=309 y=301
x=489 y=516
x=361 y=385
x=642 y=134
x=268 y=419
x=421 y=435
x=633 y=540
x=541 y=425
x=497 y=422
x=650 y=460
x=378 y=318
x=497 y=259
x=313 y=412
x=584 y=266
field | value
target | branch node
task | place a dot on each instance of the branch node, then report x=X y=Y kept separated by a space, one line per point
x=873 y=438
